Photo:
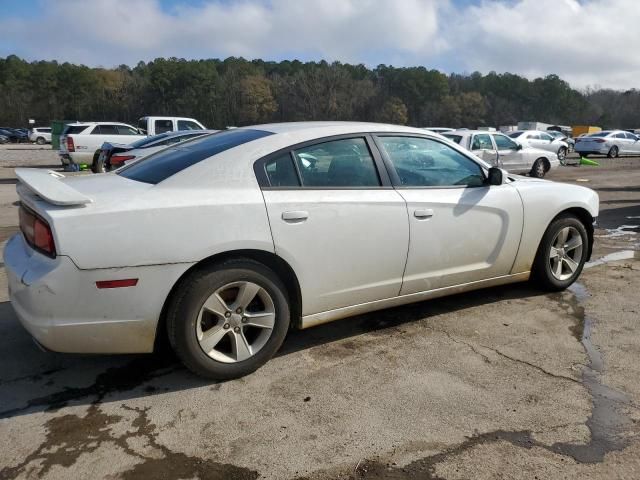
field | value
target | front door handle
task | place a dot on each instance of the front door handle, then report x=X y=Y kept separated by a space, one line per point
x=294 y=216
x=423 y=213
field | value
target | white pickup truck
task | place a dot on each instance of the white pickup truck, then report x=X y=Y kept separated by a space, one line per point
x=81 y=142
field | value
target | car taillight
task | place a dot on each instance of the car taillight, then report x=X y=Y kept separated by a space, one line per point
x=599 y=140
x=121 y=158
x=70 y=146
x=37 y=232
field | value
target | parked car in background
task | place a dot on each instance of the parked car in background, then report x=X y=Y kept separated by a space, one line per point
x=40 y=135
x=16 y=135
x=499 y=150
x=3 y=139
x=156 y=125
x=611 y=143
x=571 y=143
x=114 y=155
x=217 y=251
x=80 y=142
x=439 y=129
x=541 y=140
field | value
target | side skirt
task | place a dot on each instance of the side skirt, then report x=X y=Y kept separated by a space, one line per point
x=331 y=315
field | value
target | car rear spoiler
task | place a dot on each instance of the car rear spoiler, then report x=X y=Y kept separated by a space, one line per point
x=47 y=185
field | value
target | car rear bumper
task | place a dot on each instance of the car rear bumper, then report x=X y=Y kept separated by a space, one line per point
x=593 y=150
x=62 y=308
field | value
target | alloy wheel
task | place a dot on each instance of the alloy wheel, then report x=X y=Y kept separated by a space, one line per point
x=235 y=322
x=565 y=254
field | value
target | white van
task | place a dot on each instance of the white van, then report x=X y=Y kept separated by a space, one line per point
x=155 y=125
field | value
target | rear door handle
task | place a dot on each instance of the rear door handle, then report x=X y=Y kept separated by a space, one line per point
x=295 y=216
x=423 y=213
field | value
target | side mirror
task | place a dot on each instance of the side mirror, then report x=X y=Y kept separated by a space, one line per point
x=495 y=176
x=518 y=146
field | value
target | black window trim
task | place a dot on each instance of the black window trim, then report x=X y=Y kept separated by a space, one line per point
x=395 y=179
x=259 y=166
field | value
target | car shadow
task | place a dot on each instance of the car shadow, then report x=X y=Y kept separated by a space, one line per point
x=35 y=381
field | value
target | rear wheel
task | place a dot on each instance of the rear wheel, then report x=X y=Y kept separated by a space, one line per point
x=97 y=166
x=539 y=168
x=562 y=253
x=613 y=153
x=229 y=319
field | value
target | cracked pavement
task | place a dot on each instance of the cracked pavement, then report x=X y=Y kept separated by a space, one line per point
x=508 y=382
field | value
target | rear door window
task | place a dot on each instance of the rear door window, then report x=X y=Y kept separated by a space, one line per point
x=162 y=165
x=339 y=163
x=282 y=172
x=105 y=130
x=482 y=142
x=126 y=130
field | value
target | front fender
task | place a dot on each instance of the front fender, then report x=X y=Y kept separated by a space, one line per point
x=542 y=202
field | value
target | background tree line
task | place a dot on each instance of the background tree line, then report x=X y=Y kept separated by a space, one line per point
x=235 y=91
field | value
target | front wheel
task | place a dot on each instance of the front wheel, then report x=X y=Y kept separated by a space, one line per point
x=40 y=141
x=228 y=320
x=562 y=155
x=562 y=253
x=539 y=169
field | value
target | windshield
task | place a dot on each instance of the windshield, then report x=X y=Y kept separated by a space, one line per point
x=162 y=165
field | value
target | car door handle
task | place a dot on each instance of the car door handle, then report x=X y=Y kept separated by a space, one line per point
x=295 y=216
x=423 y=213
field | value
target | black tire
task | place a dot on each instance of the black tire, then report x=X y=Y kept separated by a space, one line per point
x=40 y=141
x=186 y=303
x=539 y=168
x=613 y=152
x=562 y=155
x=97 y=166
x=542 y=273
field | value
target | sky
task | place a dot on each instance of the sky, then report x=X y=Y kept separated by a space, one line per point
x=589 y=43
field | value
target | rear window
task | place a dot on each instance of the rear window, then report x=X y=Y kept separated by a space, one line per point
x=514 y=134
x=147 y=140
x=599 y=134
x=454 y=138
x=156 y=168
x=73 y=129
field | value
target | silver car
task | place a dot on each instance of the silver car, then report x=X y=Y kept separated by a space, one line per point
x=499 y=150
x=565 y=138
x=611 y=143
x=541 y=140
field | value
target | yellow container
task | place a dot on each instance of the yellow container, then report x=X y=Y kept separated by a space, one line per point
x=584 y=129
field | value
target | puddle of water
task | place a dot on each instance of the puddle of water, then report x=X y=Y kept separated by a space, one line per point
x=620 y=231
x=607 y=422
x=613 y=257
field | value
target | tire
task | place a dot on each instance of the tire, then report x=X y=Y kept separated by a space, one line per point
x=97 y=166
x=538 y=170
x=189 y=323
x=613 y=153
x=562 y=155
x=545 y=271
x=40 y=141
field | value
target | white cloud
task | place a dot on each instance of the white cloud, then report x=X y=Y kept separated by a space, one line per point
x=587 y=42
x=593 y=42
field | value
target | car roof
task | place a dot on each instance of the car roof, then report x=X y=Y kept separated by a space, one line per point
x=334 y=128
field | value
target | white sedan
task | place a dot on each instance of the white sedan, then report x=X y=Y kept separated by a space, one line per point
x=542 y=141
x=225 y=242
